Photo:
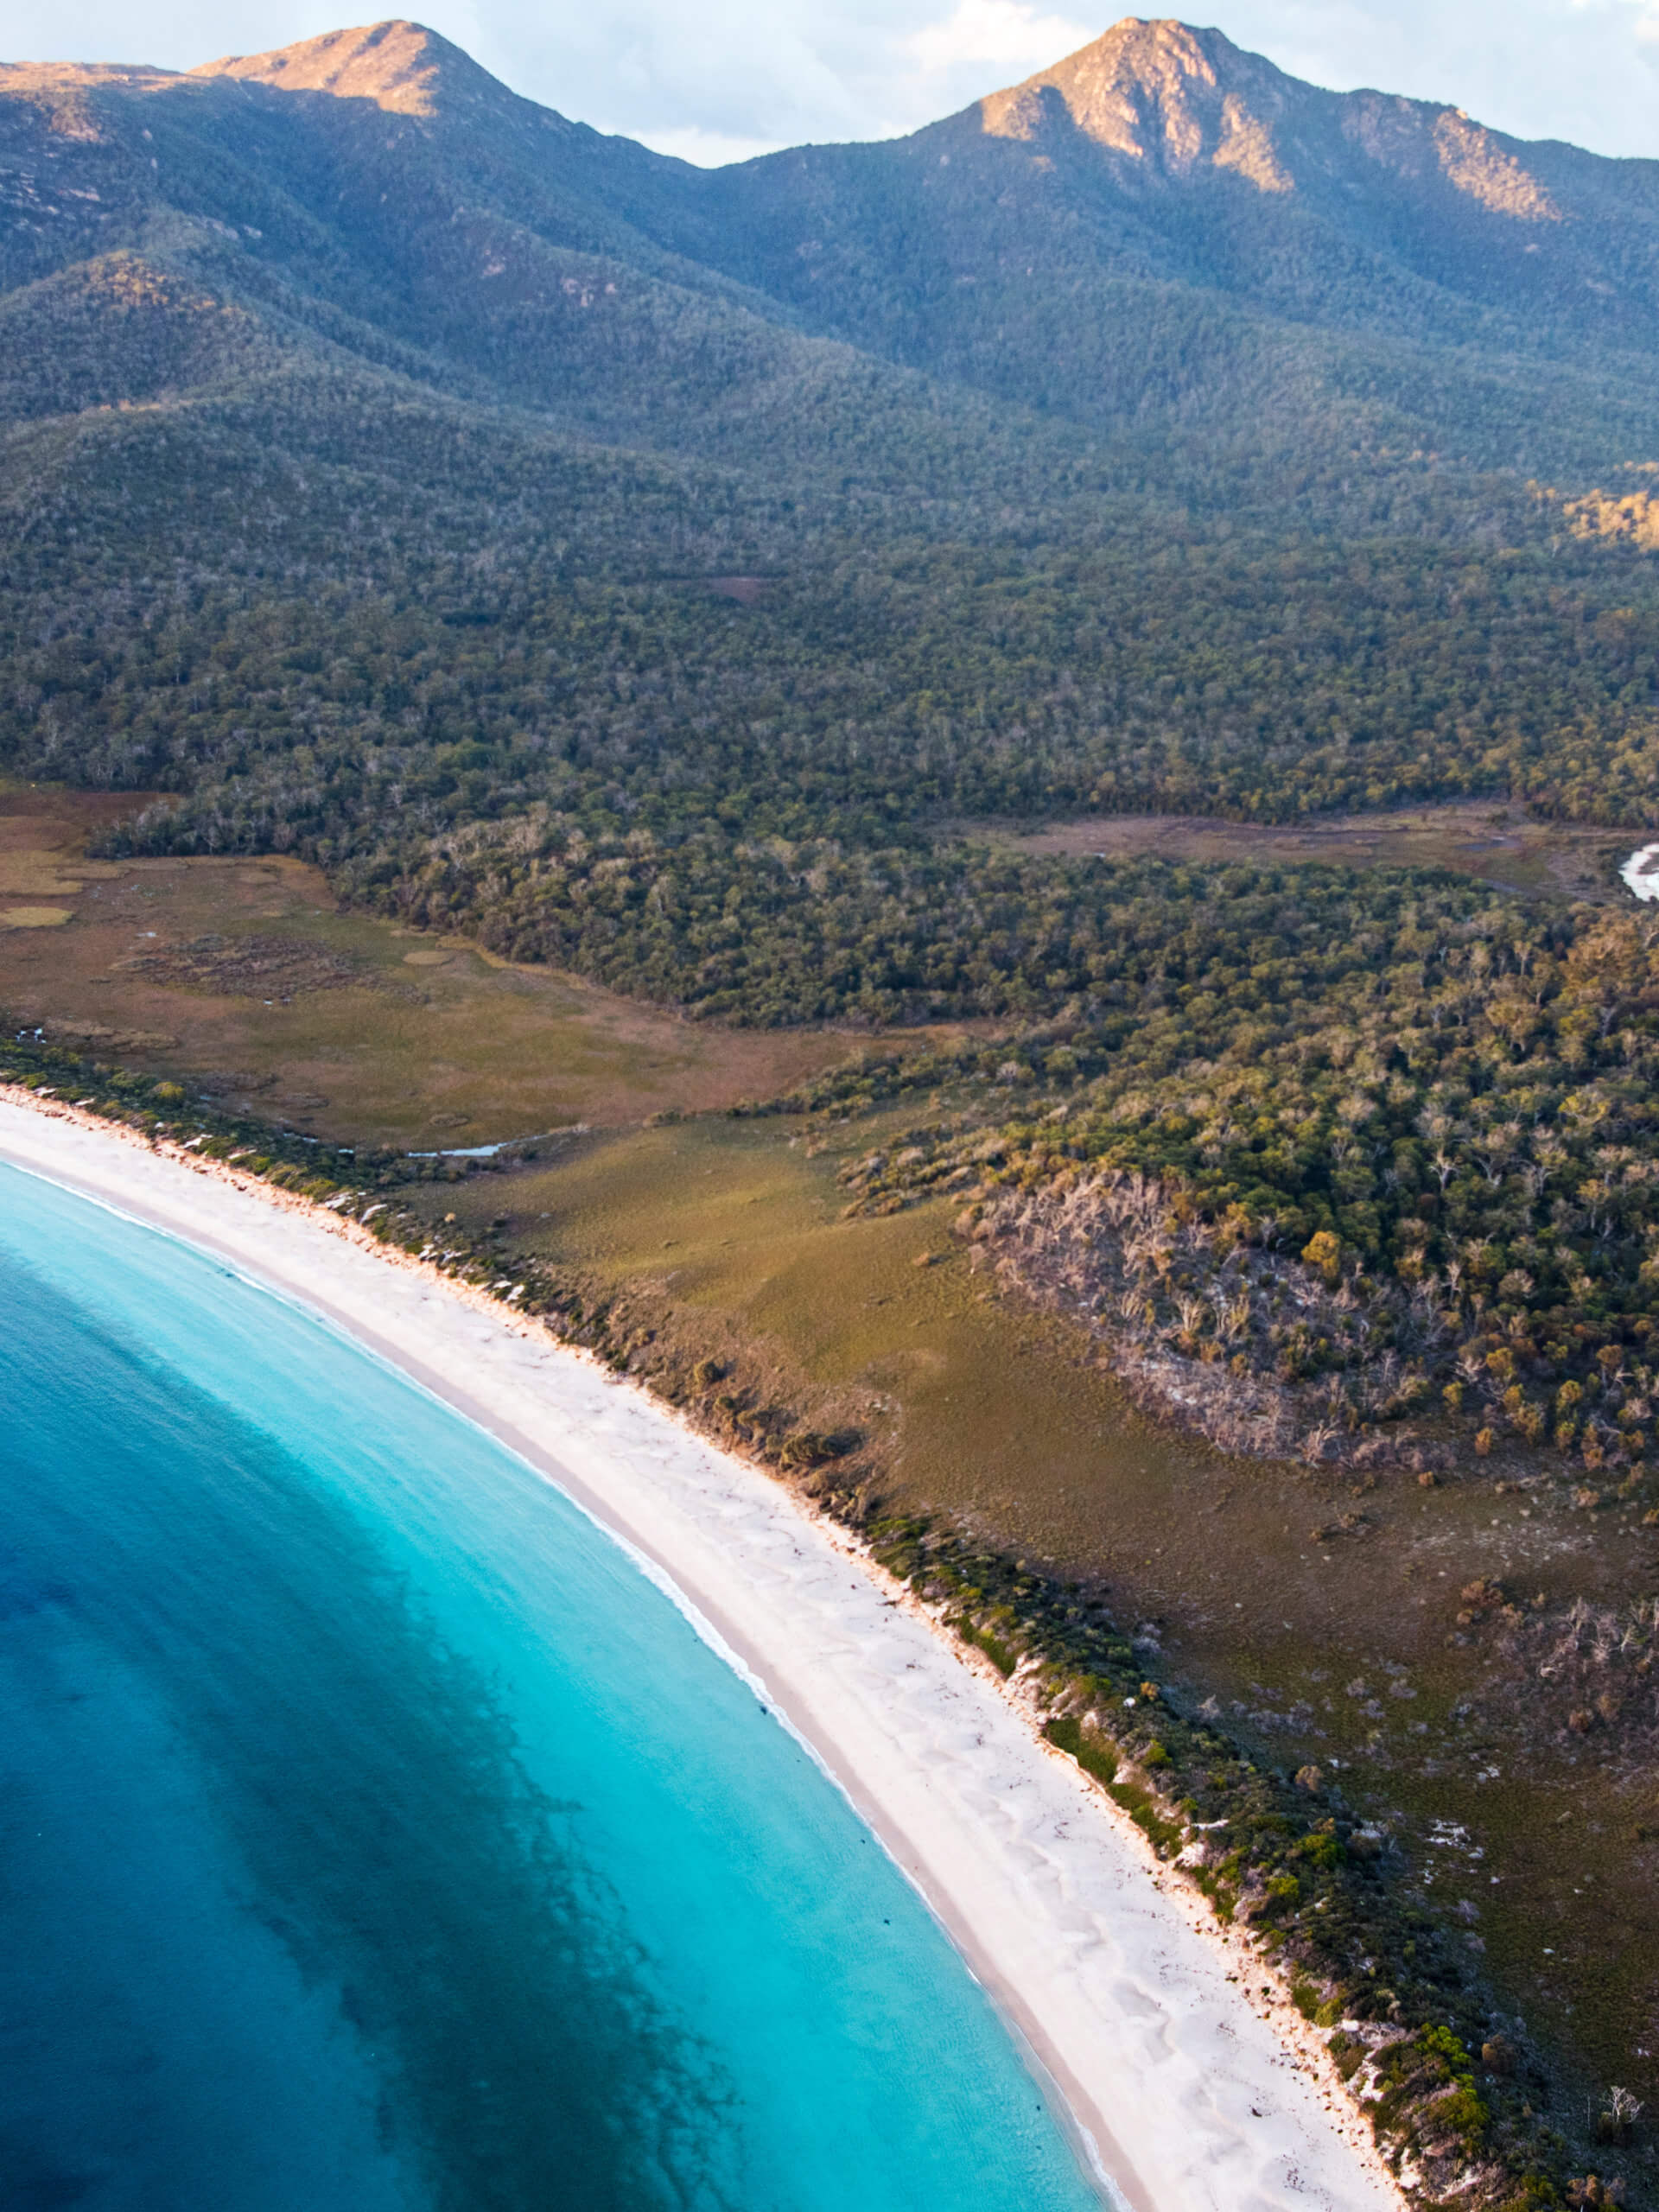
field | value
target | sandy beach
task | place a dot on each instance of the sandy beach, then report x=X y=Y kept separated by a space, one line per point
x=1193 y=2096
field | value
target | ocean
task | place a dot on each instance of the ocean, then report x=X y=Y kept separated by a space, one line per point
x=375 y=1835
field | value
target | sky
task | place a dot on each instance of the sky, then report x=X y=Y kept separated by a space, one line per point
x=731 y=78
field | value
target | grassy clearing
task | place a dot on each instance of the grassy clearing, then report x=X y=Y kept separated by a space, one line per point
x=244 y=975
x=1497 y=844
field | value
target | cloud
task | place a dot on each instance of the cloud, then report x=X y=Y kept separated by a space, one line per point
x=710 y=149
x=762 y=73
x=1573 y=69
x=753 y=74
x=734 y=77
x=1645 y=14
x=994 y=35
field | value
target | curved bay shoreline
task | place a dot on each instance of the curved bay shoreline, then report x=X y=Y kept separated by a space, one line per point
x=1110 y=1967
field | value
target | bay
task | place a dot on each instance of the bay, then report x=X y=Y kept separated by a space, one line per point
x=373 y=1833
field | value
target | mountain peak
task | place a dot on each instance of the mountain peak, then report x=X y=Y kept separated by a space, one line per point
x=1163 y=95
x=1167 y=102
x=401 y=66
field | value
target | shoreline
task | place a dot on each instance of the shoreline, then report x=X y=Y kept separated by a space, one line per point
x=1108 y=1966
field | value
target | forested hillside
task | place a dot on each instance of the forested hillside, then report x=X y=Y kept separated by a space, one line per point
x=1161 y=435
x=374 y=434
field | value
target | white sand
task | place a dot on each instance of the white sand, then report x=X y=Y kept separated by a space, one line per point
x=1114 y=1972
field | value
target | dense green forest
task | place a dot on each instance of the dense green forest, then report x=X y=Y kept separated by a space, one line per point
x=1317 y=1153
x=482 y=677
x=579 y=750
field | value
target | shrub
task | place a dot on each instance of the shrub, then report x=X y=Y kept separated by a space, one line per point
x=1066 y=1733
x=1323 y=1250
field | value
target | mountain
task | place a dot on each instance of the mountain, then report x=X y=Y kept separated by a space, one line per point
x=685 y=579
x=1160 y=234
x=435 y=226
x=1116 y=233
x=1161 y=433
x=402 y=67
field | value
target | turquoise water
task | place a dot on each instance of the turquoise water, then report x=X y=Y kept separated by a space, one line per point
x=374 y=1835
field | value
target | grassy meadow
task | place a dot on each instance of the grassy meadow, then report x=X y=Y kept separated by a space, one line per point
x=245 y=976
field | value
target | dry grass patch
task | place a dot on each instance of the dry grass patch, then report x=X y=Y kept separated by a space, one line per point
x=1497 y=843
x=268 y=996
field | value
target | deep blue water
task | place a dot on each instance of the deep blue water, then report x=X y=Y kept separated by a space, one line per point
x=374 y=1836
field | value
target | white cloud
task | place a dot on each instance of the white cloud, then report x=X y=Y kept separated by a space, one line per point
x=998 y=35
x=709 y=150
x=1575 y=69
x=759 y=72
x=1646 y=15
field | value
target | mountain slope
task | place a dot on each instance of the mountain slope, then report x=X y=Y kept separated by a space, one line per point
x=1101 y=444
x=1117 y=234
x=168 y=232
x=1162 y=150
x=1159 y=239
